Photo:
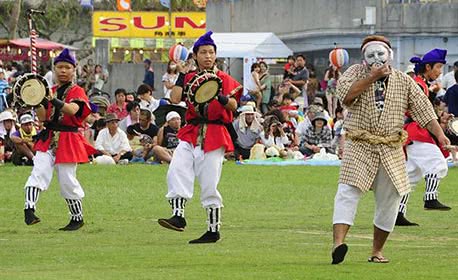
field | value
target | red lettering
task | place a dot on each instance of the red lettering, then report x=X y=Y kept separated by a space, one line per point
x=160 y=23
x=179 y=23
x=116 y=26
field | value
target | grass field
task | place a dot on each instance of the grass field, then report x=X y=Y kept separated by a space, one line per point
x=276 y=225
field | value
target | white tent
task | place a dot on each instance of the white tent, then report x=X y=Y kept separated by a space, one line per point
x=249 y=47
x=261 y=45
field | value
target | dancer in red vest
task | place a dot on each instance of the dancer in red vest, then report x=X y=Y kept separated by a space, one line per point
x=425 y=158
x=60 y=146
x=203 y=142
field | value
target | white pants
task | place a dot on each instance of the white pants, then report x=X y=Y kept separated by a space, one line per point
x=423 y=159
x=189 y=162
x=42 y=172
x=387 y=201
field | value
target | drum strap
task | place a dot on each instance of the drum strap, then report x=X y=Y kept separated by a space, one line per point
x=60 y=127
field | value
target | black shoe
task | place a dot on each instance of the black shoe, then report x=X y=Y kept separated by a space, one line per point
x=73 y=225
x=436 y=205
x=29 y=217
x=175 y=223
x=338 y=254
x=401 y=220
x=208 y=237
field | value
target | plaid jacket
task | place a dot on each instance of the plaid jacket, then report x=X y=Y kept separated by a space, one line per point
x=362 y=160
x=324 y=137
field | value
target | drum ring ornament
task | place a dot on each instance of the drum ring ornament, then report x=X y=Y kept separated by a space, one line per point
x=203 y=87
x=453 y=126
x=30 y=89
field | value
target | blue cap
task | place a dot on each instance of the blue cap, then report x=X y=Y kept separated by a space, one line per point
x=65 y=56
x=204 y=40
x=246 y=98
x=433 y=56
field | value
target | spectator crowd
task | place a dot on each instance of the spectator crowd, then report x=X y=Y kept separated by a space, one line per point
x=297 y=118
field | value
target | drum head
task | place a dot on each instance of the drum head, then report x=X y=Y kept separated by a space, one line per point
x=207 y=91
x=30 y=89
x=32 y=92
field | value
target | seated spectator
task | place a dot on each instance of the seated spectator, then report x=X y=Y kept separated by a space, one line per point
x=119 y=107
x=112 y=142
x=147 y=101
x=133 y=110
x=248 y=128
x=23 y=141
x=7 y=129
x=273 y=135
x=167 y=138
x=146 y=133
x=307 y=121
x=318 y=101
x=316 y=137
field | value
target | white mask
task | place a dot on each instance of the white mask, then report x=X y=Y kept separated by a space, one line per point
x=376 y=54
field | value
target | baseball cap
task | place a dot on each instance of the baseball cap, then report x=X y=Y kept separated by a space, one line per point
x=26 y=118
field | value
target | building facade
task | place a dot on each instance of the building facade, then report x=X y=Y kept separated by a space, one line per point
x=313 y=27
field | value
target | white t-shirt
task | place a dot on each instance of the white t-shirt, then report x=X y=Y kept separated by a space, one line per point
x=112 y=144
x=271 y=140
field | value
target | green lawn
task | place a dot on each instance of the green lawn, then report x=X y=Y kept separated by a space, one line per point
x=276 y=225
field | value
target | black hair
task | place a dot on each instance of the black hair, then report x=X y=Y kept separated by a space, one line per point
x=132 y=105
x=254 y=65
x=144 y=88
x=119 y=91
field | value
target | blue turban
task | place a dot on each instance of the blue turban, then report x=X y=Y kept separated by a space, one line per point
x=65 y=56
x=204 y=40
x=434 y=56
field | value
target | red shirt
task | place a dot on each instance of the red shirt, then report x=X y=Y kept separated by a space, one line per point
x=120 y=112
x=415 y=131
x=72 y=147
x=215 y=135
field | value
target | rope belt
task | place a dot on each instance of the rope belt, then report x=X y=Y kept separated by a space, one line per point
x=394 y=140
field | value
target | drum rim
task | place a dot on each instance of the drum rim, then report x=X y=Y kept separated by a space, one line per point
x=451 y=125
x=21 y=81
x=192 y=89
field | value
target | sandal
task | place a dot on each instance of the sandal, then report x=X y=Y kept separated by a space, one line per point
x=375 y=259
x=338 y=254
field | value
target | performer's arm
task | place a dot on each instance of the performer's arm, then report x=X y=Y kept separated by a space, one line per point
x=434 y=127
x=358 y=87
x=228 y=102
x=41 y=113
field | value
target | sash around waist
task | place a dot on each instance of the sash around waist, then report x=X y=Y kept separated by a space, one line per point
x=393 y=140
